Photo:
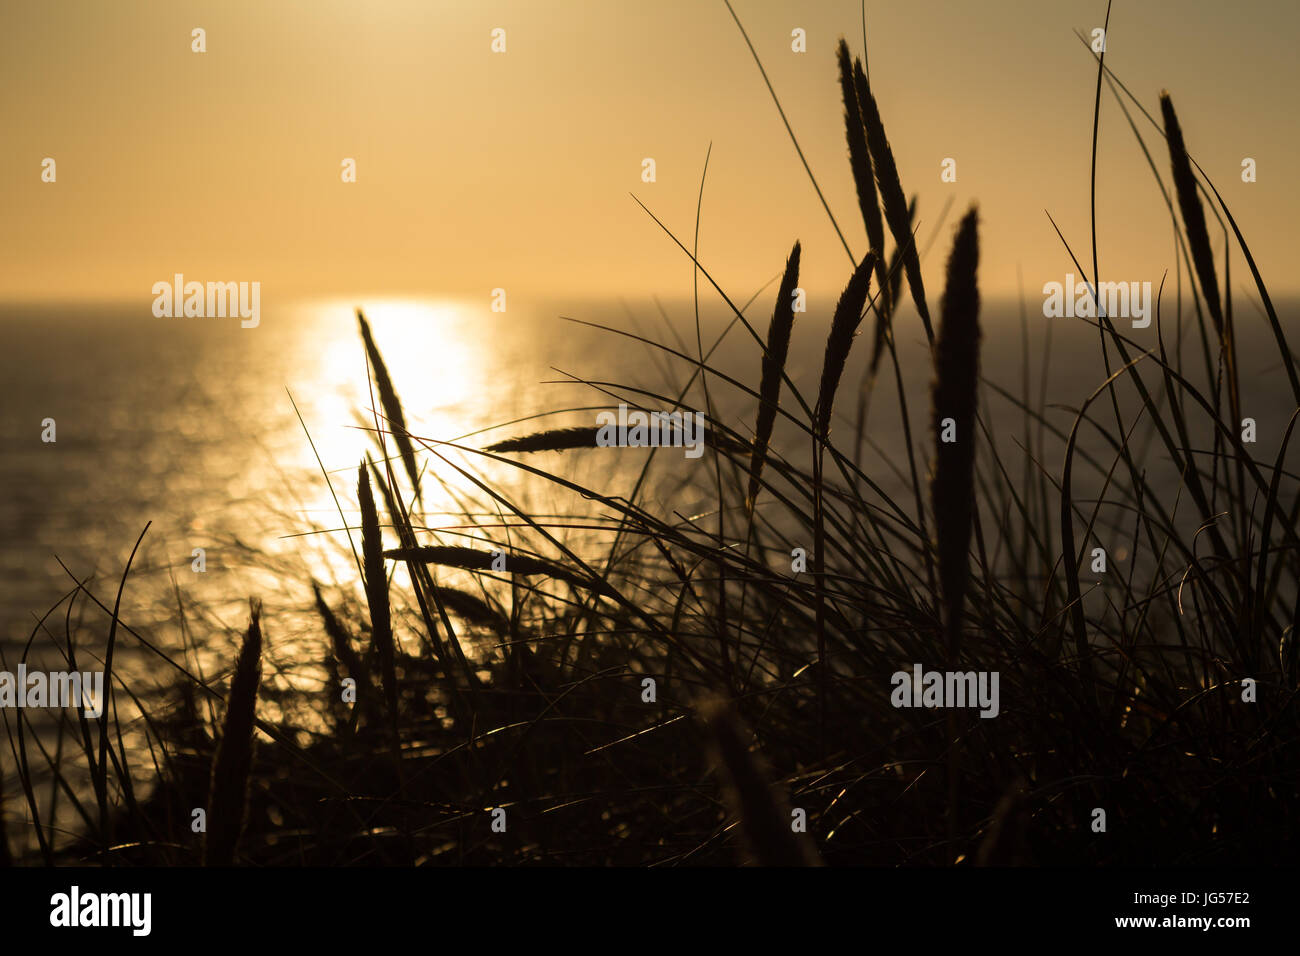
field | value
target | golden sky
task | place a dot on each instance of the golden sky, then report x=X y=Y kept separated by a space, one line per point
x=478 y=170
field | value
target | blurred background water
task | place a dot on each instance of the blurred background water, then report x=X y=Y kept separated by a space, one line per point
x=188 y=423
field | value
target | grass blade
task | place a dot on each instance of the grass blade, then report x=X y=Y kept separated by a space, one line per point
x=228 y=797
x=891 y=194
x=1193 y=214
x=844 y=326
x=392 y=405
x=863 y=176
x=381 y=626
x=765 y=819
x=952 y=491
x=769 y=389
x=469 y=559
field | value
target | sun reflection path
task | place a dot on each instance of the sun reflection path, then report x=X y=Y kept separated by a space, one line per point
x=450 y=378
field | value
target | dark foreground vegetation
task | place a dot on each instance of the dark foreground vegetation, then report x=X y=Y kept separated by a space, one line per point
x=522 y=687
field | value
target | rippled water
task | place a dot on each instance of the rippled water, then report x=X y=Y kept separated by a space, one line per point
x=188 y=424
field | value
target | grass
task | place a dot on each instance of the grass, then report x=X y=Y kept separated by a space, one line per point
x=228 y=798
x=657 y=691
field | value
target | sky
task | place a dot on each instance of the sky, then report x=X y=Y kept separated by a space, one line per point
x=478 y=170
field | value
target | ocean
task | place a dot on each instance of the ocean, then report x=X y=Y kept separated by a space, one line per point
x=189 y=425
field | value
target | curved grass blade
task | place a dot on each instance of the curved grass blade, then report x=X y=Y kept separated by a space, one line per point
x=763 y=815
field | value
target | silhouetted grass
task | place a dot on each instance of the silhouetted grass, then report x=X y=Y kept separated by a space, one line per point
x=774 y=359
x=228 y=797
x=634 y=687
x=956 y=385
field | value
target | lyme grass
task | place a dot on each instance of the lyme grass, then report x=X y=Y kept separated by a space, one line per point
x=228 y=798
x=392 y=406
x=774 y=359
x=952 y=489
x=376 y=585
x=556 y=661
x=891 y=193
x=863 y=174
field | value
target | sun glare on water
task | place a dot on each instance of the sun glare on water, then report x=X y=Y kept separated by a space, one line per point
x=437 y=371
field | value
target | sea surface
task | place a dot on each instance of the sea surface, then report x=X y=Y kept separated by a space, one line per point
x=189 y=426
